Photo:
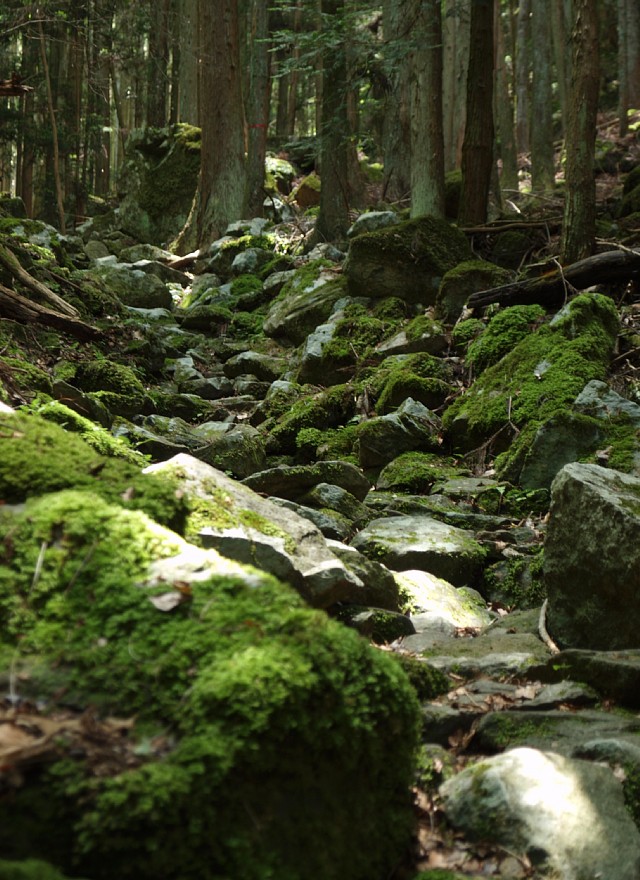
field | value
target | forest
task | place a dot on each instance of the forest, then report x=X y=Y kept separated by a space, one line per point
x=319 y=440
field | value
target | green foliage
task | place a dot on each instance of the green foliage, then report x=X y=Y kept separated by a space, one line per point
x=416 y=472
x=328 y=409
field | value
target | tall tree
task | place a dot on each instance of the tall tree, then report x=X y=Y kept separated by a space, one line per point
x=220 y=196
x=394 y=94
x=456 y=34
x=427 y=136
x=628 y=60
x=523 y=66
x=257 y=104
x=333 y=219
x=503 y=108
x=477 y=149
x=542 y=154
x=158 y=61
x=578 y=230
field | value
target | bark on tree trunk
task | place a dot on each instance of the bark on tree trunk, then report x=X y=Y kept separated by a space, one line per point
x=427 y=137
x=542 y=156
x=477 y=149
x=522 y=76
x=258 y=106
x=579 y=226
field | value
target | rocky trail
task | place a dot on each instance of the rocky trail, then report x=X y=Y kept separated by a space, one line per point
x=332 y=430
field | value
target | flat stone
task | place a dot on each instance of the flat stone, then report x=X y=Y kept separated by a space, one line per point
x=293 y=481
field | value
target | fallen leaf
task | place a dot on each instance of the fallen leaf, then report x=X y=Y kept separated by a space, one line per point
x=168 y=601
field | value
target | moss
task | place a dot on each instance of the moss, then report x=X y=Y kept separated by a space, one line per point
x=506 y=328
x=353 y=339
x=238 y=671
x=516 y=582
x=217 y=511
x=29 y=869
x=328 y=409
x=391 y=308
x=245 y=284
x=461 y=281
x=333 y=443
x=110 y=377
x=416 y=472
x=539 y=378
x=38 y=457
x=420 y=376
x=427 y=681
x=465 y=332
x=97 y=437
x=24 y=377
x=421 y=326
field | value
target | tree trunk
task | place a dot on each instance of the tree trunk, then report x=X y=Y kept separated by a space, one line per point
x=477 y=149
x=563 y=67
x=427 y=137
x=578 y=234
x=221 y=187
x=523 y=66
x=504 y=112
x=542 y=155
x=189 y=53
x=158 y=63
x=54 y=129
x=257 y=106
x=396 y=117
x=456 y=34
x=333 y=219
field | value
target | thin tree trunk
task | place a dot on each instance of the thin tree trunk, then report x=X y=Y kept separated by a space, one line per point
x=579 y=226
x=542 y=155
x=396 y=118
x=504 y=111
x=427 y=137
x=456 y=25
x=523 y=67
x=158 y=63
x=623 y=69
x=258 y=107
x=560 y=50
x=54 y=128
x=477 y=149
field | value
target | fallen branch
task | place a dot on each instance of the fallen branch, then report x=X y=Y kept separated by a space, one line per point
x=12 y=265
x=25 y=311
x=550 y=289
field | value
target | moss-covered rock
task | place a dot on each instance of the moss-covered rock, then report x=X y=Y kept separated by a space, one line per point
x=506 y=328
x=38 y=456
x=116 y=385
x=460 y=282
x=258 y=720
x=408 y=260
x=306 y=300
x=419 y=376
x=326 y=409
x=159 y=179
x=537 y=379
x=417 y=472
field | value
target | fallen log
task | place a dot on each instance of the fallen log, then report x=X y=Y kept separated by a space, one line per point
x=552 y=288
x=18 y=308
x=10 y=262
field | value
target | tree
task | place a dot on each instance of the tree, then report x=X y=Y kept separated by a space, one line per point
x=257 y=105
x=456 y=34
x=393 y=87
x=427 y=136
x=477 y=149
x=220 y=196
x=333 y=219
x=578 y=232
x=542 y=154
x=522 y=75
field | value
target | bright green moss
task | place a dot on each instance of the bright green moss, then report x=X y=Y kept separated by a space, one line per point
x=38 y=457
x=503 y=333
x=465 y=332
x=539 y=377
x=328 y=409
x=245 y=284
x=417 y=472
x=237 y=672
x=420 y=376
x=109 y=376
x=25 y=377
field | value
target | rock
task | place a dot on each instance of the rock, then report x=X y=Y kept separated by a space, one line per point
x=229 y=665
x=315 y=368
x=328 y=496
x=165 y=273
x=425 y=594
x=558 y=441
x=265 y=367
x=293 y=481
x=96 y=250
x=306 y=301
x=418 y=542
x=614 y=674
x=332 y=524
x=250 y=261
x=382 y=627
x=238 y=450
x=536 y=380
x=307 y=192
x=411 y=427
x=460 y=282
x=592 y=559
x=380 y=587
x=133 y=287
x=567 y=815
x=240 y=524
x=372 y=221
x=597 y=399
x=406 y=260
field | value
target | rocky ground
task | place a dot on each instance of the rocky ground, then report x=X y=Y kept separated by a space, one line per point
x=459 y=488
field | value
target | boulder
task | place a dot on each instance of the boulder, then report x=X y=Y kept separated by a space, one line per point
x=183 y=674
x=132 y=286
x=431 y=598
x=411 y=427
x=592 y=559
x=305 y=301
x=568 y=816
x=293 y=481
x=407 y=260
x=265 y=367
x=460 y=282
x=419 y=542
x=372 y=221
x=242 y=525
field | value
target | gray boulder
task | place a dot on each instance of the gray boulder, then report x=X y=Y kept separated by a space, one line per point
x=302 y=305
x=592 y=559
x=293 y=481
x=411 y=427
x=568 y=816
x=132 y=286
x=418 y=542
x=371 y=221
x=243 y=526
x=263 y=366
